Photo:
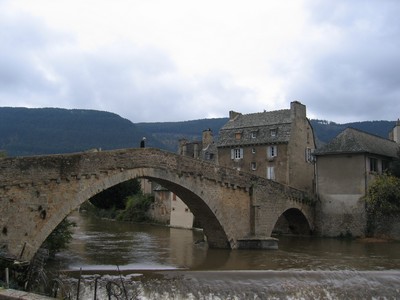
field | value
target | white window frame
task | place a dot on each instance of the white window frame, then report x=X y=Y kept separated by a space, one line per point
x=253 y=166
x=271 y=173
x=272 y=151
x=309 y=155
x=237 y=153
x=253 y=134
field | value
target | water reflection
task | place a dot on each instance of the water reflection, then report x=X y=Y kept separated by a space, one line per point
x=103 y=243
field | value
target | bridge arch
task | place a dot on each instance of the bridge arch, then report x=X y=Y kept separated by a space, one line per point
x=292 y=221
x=197 y=202
x=232 y=206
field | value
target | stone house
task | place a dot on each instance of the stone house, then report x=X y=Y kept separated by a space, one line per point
x=277 y=145
x=344 y=169
x=204 y=149
x=169 y=209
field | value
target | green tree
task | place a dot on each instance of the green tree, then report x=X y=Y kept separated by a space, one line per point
x=382 y=199
x=115 y=196
x=136 y=208
x=60 y=237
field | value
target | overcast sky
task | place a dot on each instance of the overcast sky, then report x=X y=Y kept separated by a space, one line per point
x=159 y=60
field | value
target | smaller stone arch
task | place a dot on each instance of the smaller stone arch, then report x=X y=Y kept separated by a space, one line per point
x=292 y=221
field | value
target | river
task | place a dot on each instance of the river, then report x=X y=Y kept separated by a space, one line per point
x=141 y=261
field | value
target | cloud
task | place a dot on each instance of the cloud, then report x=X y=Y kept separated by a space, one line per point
x=356 y=77
x=42 y=68
x=185 y=62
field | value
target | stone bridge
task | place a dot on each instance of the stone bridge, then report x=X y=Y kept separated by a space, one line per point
x=235 y=209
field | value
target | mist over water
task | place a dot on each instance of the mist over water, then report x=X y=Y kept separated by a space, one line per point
x=156 y=262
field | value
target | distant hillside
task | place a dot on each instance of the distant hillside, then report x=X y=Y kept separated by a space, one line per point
x=169 y=133
x=26 y=131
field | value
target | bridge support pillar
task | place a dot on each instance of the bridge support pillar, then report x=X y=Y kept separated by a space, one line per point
x=258 y=243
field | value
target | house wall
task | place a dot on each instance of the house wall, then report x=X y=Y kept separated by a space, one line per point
x=300 y=172
x=260 y=157
x=160 y=210
x=181 y=216
x=341 y=184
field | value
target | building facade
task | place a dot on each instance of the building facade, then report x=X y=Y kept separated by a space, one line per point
x=277 y=145
x=344 y=169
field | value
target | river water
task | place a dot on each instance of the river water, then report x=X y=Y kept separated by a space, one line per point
x=141 y=261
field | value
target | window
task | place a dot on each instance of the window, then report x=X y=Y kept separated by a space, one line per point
x=309 y=155
x=271 y=173
x=253 y=150
x=373 y=164
x=253 y=166
x=238 y=135
x=272 y=151
x=209 y=156
x=273 y=132
x=385 y=165
x=237 y=153
x=253 y=134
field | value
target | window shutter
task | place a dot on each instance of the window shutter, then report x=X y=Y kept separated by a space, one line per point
x=232 y=153
x=241 y=152
x=275 y=150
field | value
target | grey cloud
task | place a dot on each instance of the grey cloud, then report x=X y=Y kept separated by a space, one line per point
x=39 y=67
x=358 y=79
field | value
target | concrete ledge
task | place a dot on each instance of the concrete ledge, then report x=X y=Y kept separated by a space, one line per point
x=10 y=294
x=269 y=243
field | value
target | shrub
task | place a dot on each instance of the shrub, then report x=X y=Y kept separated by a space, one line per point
x=136 y=208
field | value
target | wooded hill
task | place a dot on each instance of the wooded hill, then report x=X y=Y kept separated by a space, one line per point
x=36 y=131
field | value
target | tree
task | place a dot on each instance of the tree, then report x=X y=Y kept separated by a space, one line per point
x=60 y=237
x=382 y=199
x=115 y=196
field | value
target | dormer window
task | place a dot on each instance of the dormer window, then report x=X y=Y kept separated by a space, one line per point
x=253 y=134
x=238 y=135
x=273 y=132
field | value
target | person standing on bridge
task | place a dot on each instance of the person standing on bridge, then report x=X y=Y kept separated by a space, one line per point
x=142 y=143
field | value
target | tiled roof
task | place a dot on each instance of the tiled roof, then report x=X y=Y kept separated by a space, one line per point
x=261 y=124
x=259 y=119
x=353 y=140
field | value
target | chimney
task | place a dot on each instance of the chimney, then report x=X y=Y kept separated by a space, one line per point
x=182 y=147
x=207 y=137
x=233 y=114
x=394 y=135
x=298 y=110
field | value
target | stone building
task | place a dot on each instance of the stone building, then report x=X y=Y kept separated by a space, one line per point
x=204 y=149
x=274 y=144
x=344 y=169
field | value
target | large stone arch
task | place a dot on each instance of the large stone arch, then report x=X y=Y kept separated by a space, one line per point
x=37 y=193
x=206 y=203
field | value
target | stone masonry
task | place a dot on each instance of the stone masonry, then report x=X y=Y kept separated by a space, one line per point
x=37 y=193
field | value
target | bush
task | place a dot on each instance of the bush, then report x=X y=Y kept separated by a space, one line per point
x=60 y=237
x=382 y=199
x=136 y=208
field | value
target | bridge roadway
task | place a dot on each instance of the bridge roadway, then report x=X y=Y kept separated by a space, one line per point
x=235 y=209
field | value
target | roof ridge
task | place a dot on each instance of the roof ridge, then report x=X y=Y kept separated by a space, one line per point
x=368 y=133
